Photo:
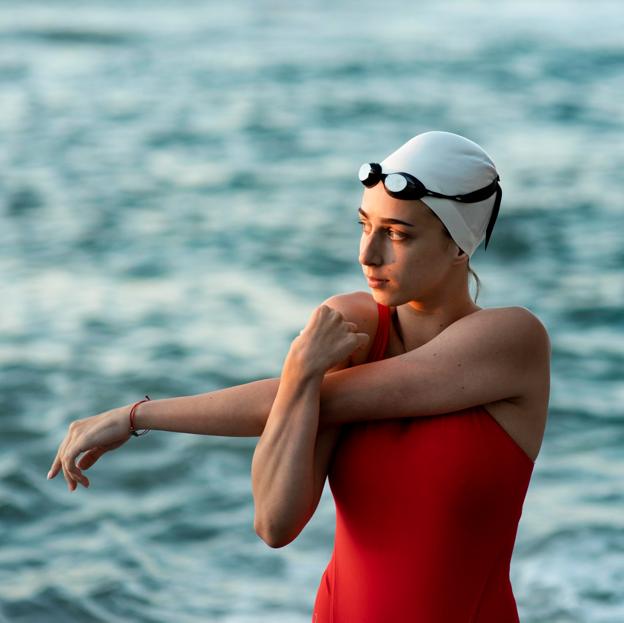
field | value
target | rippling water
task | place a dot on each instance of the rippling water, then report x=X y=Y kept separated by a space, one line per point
x=178 y=191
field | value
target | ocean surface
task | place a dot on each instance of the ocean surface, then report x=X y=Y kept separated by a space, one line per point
x=178 y=191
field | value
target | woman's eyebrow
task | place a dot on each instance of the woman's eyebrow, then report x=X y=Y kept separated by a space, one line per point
x=386 y=220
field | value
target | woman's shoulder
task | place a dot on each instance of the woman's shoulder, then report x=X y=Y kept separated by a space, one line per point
x=516 y=325
x=523 y=318
x=358 y=307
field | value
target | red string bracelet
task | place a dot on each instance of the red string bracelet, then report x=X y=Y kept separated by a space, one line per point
x=132 y=428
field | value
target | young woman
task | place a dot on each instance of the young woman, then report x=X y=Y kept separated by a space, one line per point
x=425 y=411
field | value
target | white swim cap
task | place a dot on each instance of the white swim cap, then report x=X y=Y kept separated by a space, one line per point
x=450 y=164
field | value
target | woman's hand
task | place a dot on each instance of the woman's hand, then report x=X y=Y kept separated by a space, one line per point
x=94 y=436
x=327 y=339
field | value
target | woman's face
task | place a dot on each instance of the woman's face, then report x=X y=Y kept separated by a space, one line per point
x=415 y=257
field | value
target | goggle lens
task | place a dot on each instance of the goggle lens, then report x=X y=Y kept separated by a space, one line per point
x=368 y=175
x=395 y=182
x=364 y=172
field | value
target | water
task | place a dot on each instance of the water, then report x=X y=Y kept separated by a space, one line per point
x=178 y=192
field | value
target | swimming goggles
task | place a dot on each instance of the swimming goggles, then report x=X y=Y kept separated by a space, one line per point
x=405 y=186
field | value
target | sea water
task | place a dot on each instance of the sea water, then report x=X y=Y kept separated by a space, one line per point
x=178 y=191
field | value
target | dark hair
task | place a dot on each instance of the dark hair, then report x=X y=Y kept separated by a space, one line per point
x=470 y=270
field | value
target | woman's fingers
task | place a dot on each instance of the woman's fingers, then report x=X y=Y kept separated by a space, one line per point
x=67 y=450
x=74 y=474
x=71 y=483
x=59 y=460
x=90 y=457
x=362 y=338
x=54 y=468
x=56 y=464
x=69 y=463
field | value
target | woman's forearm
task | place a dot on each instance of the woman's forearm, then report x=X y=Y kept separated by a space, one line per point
x=238 y=411
x=358 y=393
x=282 y=469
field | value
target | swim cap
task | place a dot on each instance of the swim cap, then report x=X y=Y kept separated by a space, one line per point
x=450 y=164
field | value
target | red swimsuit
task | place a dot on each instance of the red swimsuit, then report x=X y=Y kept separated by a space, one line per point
x=427 y=510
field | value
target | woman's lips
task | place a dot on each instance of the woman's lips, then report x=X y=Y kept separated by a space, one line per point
x=375 y=283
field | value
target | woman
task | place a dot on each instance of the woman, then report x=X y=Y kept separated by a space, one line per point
x=425 y=412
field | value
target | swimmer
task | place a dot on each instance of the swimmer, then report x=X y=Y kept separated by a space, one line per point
x=424 y=411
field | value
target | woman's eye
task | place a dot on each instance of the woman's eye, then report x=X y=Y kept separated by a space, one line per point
x=398 y=235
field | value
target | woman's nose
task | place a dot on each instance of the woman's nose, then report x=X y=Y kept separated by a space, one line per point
x=369 y=251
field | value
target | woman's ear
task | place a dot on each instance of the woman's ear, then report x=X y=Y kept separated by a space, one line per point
x=461 y=257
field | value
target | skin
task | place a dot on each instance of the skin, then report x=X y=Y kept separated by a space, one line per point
x=324 y=383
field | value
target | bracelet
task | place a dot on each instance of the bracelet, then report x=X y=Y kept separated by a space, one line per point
x=132 y=429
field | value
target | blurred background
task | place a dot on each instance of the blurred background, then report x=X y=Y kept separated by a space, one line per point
x=178 y=191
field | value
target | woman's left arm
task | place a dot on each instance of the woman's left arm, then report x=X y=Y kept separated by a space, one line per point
x=283 y=464
x=495 y=354
x=282 y=469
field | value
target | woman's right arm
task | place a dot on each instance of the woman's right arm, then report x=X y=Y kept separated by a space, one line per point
x=239 y=411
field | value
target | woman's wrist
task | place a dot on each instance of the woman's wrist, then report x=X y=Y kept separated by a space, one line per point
x=298 y=367
x=136 y=413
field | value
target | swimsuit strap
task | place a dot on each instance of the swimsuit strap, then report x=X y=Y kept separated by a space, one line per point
x=380 y=342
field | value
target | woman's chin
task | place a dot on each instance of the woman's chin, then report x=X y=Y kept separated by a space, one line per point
x=382 y=296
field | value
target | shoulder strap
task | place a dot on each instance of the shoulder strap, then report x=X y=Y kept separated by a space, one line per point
x=380 y=342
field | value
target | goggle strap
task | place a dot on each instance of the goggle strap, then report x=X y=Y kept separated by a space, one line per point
x=471 y=197
x=478 y=195
x=490 y=227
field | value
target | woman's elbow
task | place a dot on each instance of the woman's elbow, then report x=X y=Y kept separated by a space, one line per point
x=274 y=536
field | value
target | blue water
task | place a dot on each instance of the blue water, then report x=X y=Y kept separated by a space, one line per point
x=178 y=192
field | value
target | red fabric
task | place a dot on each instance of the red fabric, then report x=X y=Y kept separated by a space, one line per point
x=427 y=510
x=378 y=347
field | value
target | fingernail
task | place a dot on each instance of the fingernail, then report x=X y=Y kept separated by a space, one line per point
x=49 y=474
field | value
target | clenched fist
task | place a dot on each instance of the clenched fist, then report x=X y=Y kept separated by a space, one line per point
x=325 y=341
